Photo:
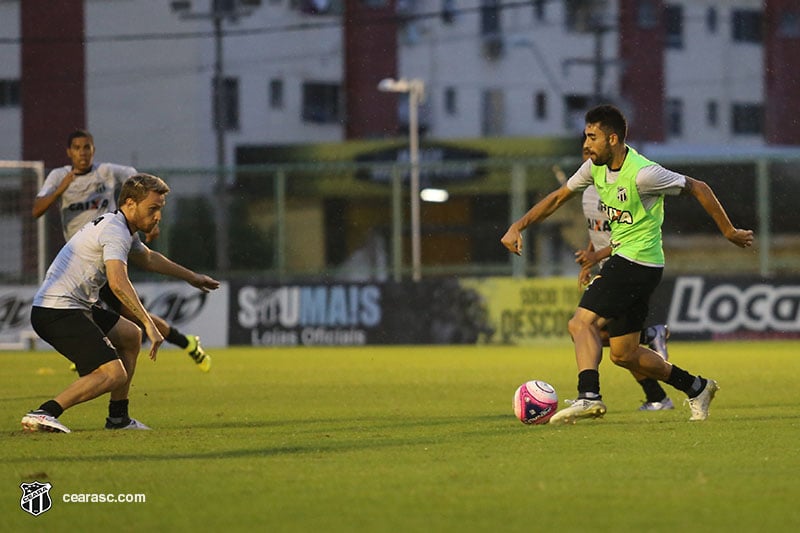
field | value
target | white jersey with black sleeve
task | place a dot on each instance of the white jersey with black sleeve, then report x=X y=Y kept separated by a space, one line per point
x=76 y=275
x=88 y=196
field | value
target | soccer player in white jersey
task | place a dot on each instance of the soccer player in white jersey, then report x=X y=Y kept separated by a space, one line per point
x=632 y=190
x=85 y=191
x=103 y=345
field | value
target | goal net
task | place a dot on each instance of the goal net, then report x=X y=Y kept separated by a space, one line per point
x=22 y=250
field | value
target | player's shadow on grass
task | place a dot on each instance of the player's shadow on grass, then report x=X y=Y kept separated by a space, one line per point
x=328 y=440
x=352 y=424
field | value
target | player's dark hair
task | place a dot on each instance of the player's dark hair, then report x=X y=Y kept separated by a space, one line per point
x=610 y=118
x=77 y=134
x=138 y=186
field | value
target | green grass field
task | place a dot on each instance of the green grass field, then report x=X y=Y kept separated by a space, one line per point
x=408 y=439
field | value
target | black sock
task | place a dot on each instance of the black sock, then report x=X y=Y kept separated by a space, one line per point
x=118 y=410
x=177 y=338
x=652 y=390
x=589 y=384
x=52 y=408
x=645 y=337
x=684 y=381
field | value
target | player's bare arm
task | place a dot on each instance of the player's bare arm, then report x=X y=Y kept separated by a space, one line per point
x=512 y=239
x=590 y=257
x=706 y=198
x=119 y=282
x=153 y=261
x=42 y=203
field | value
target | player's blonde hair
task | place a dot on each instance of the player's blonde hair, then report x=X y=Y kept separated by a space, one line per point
x=138 y=186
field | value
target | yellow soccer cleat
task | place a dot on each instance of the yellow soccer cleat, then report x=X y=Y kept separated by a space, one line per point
x=196 y=352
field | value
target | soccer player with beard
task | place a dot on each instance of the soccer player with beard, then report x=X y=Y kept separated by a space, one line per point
x=632 y=190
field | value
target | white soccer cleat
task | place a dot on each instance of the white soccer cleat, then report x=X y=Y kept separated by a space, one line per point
x=131 y=423
x=663 y=405
x=580 y=408
x=699 y=404
x=41 y=421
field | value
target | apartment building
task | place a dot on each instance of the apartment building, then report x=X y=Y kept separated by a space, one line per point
x=140 y=73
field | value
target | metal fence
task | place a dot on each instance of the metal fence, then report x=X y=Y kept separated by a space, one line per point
x=350 y=221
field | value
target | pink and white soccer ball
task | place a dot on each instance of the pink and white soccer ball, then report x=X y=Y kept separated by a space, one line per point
x=535 y=402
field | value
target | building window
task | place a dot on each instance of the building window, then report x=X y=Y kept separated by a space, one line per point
x=673 y=21
x=789 y=25
x=575 y=107
x=226 y=115
x=448 y=13
x=646 y=14
x=746 y=25
x=492 y=113
x=321 y=102
x=223 y=6
x=540 y=105
x=490 y=17
x=712 y=113
x=748 y=119
x=9 y=93
x=319 y=7
x=450 y=101
x=711 y=19
x=276 y=94
x=674 y=111
x=539 y=10
x=579 y=15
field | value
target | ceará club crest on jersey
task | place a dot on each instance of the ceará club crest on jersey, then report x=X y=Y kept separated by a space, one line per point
x=622 y=194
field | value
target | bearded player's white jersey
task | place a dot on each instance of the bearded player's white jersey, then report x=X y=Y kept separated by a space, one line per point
x=88 y=196
x=596 y=219
x=76 y=275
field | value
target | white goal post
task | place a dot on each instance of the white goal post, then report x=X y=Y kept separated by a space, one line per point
x=22 y=251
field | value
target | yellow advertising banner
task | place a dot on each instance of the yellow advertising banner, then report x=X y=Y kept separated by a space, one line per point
x=523 y=311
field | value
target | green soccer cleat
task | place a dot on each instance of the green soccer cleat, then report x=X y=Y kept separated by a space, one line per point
x=198 y=355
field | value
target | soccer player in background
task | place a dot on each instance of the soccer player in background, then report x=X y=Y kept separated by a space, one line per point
x=86 y=191
x=632 y=191
x=103 y=345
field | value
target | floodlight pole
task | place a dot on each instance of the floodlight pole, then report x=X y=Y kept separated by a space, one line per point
x=414 y=96
x=416 y=93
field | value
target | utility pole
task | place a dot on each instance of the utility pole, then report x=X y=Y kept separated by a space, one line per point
x=598 y=61
x=220 y=10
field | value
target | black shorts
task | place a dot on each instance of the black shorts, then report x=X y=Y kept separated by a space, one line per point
x=622 y=293
x=78 y=335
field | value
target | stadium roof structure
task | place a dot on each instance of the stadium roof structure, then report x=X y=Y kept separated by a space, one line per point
x=732 y=153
